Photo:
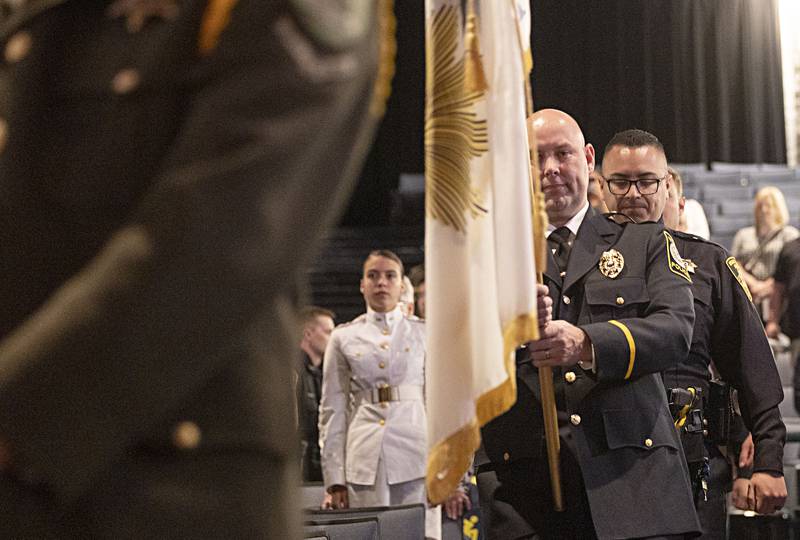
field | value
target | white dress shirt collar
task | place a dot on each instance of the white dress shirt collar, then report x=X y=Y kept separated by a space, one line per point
x=573 y=224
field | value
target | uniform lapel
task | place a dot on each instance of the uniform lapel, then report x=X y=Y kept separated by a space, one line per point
x=27 y=11
x=594 y=236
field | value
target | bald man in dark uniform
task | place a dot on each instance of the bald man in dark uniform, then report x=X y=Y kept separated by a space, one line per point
x=620 y=316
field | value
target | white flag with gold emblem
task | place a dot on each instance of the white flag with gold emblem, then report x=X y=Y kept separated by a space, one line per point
x=480 y=275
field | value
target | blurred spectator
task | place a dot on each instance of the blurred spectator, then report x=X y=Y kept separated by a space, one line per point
x=317 y=324
x=757 y=248
x=692 y=217
x=372 y=415
x=595 y=192
x=407 y=297
x=784 y=305
x=417 y=276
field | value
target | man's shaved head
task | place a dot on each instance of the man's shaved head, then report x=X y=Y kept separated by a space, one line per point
x=565 y=161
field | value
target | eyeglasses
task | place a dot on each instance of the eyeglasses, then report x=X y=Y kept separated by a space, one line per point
x=645 y=186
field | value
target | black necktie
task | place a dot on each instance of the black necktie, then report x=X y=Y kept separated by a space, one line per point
x=559 y=241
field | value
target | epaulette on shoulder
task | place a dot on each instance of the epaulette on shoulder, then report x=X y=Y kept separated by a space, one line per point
x=414 y=318
x=694 y=238
x=360 y=318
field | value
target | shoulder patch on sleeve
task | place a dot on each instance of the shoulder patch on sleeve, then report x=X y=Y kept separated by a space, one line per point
x=677 y=265
x=736 y=270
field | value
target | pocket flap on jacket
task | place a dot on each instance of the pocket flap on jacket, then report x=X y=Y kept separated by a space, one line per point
x=639 y=428
x=631 y=289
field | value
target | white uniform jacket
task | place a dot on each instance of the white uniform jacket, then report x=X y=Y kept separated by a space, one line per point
x=356 y=427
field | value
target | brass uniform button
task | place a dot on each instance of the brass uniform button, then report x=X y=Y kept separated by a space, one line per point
x=125 y=81
x=18 y=47
x=384 y=405
x=648 y=443
x=382 y=365
x=570 y=377
x=186 y=436
x=562 y=274
x=384 y=346
x=567 y=300
x=407 y=349
x=382 y=422
x=620 y=300
x=385 y=331
x=506 y=456
x=575 y=419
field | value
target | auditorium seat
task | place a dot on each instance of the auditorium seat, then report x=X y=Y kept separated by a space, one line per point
x=772 y=178
x=727 y=166
x=360 y=528
x=728 y=225
x=721 y=192
x=311 y=494
x=790 y=191
x=720 y=179
x=736 y=208
x=688 y=168
x=406 y=522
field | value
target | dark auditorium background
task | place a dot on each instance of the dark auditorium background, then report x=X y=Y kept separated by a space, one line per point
x=704 y=75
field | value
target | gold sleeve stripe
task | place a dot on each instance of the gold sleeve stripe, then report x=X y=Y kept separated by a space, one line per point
x=631 y=346
x=215 y=19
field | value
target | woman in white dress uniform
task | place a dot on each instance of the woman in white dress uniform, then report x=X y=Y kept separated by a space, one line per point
x=372 y=414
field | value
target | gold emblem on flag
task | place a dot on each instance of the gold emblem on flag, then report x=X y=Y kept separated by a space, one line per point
x=454 y=133
x=611 y=263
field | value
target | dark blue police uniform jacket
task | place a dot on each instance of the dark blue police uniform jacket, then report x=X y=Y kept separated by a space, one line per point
x=615 y=422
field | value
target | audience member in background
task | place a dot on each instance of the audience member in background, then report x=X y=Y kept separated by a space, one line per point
x=372 y=417
x=784 y=305
x=594 y=193
x=407 y=297
x=317 y=325
x=727 y=329
x=692 y=215
x=757 y=247
x=417 y=276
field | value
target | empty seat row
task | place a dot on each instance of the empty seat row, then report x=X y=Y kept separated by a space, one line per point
x=405 y=522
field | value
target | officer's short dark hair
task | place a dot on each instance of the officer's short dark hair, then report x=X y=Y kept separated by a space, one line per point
x=309 y=314
x=634 y=138
x=388 y=254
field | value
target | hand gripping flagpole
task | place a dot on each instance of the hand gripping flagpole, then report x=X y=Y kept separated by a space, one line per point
x=539 y=220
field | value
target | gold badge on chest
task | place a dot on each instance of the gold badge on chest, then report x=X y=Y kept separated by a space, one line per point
x=611 y=263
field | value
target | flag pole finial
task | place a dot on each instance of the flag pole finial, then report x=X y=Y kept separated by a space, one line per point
x=474 y=75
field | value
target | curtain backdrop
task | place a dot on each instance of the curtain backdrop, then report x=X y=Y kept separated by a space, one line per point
x=703 y=75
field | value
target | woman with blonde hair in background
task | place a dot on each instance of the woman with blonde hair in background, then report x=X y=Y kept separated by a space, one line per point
x=757 y=247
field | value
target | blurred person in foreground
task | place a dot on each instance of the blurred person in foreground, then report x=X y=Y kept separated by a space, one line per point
x=157 y=163
x=757 y=247
x=621 y=315
x=727 y=337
